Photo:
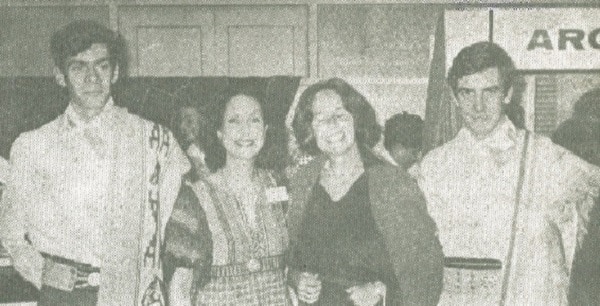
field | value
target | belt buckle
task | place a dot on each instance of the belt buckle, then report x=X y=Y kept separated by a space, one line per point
x=58 y=276
x=93 y=279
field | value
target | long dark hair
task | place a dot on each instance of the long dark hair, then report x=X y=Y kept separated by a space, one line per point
x=366 y=129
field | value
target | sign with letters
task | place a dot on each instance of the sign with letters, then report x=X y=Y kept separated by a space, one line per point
x=549 y=38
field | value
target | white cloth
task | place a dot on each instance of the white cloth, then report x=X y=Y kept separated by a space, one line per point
x=197 y=157
x=94 y=192
x=470 y=187
x=4 y=170
x=70 y=186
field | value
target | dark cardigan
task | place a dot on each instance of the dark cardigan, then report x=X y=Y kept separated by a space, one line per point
x=401 y=216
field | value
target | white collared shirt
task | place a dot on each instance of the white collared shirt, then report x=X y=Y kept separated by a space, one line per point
x=470 y=187
x=78 y=174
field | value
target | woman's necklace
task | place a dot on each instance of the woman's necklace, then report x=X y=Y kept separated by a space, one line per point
x=246 y=196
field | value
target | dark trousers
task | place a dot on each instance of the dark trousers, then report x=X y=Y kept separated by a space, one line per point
x=50 y=296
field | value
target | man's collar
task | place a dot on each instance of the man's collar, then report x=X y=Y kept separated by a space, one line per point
x=503 y=137
x=74 y=120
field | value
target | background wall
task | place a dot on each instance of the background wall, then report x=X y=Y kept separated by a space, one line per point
x=382 y=47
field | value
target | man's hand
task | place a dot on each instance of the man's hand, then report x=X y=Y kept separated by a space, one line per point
x=368 y=294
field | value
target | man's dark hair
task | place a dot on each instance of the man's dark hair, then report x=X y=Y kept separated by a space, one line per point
x=404 y=129
x=78 y=36
x=478 y=57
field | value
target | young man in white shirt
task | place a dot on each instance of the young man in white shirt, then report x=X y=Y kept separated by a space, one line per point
x=90 y=192
x=510 y=206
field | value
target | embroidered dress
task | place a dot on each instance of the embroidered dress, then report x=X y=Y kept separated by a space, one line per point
x=247 y=260
x=471 y=188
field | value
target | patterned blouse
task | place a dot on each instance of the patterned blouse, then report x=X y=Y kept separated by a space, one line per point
x=234 y=262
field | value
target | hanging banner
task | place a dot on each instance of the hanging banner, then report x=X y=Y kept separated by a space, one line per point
x=549 y=38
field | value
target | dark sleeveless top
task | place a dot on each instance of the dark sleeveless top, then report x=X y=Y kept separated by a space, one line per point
x=340 y=241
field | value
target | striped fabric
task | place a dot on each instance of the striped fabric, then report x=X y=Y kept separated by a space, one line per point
x=232 y=279
x=472 y=287
x=260 y=288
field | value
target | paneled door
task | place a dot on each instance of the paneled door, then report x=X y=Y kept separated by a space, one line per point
x=261 y=40
x=169 y=40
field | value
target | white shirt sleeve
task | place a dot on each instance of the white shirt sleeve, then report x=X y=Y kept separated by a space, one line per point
x=13 y=215
x=4 y=170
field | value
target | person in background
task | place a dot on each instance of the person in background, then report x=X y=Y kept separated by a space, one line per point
x=359 y=229
x=194 y=132
x=580 y=135
x=82 y=214
x=227 y=234
x=403 y=140
x=510 y=206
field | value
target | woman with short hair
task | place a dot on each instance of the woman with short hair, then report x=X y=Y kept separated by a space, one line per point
x=359 y=229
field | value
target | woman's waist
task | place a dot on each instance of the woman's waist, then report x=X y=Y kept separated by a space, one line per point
x=248 y=266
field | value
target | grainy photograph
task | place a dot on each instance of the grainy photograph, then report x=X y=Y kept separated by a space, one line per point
x=294 y=153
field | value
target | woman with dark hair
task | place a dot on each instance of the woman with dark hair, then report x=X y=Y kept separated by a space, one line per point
x=359 y=229
x=227 y=233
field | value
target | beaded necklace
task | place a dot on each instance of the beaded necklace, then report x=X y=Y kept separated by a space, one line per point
x=246 y=199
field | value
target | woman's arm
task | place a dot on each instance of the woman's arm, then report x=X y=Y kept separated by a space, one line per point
x=410 y=235
x=187 y=255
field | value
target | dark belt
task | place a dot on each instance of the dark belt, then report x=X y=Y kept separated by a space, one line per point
x=472 y=263
x=67 y=275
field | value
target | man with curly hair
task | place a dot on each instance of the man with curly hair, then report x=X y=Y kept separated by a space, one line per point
x=90 y=192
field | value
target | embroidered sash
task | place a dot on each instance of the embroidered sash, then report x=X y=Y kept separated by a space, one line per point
x=131 y=271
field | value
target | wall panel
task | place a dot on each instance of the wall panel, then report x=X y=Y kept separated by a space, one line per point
x=166 y=51
x=248 y=54
x=168 y=40
x=261 y=41
x=386 y=41
x=25 y=35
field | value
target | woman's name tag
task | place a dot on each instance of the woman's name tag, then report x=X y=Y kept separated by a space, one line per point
x=277 y=194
